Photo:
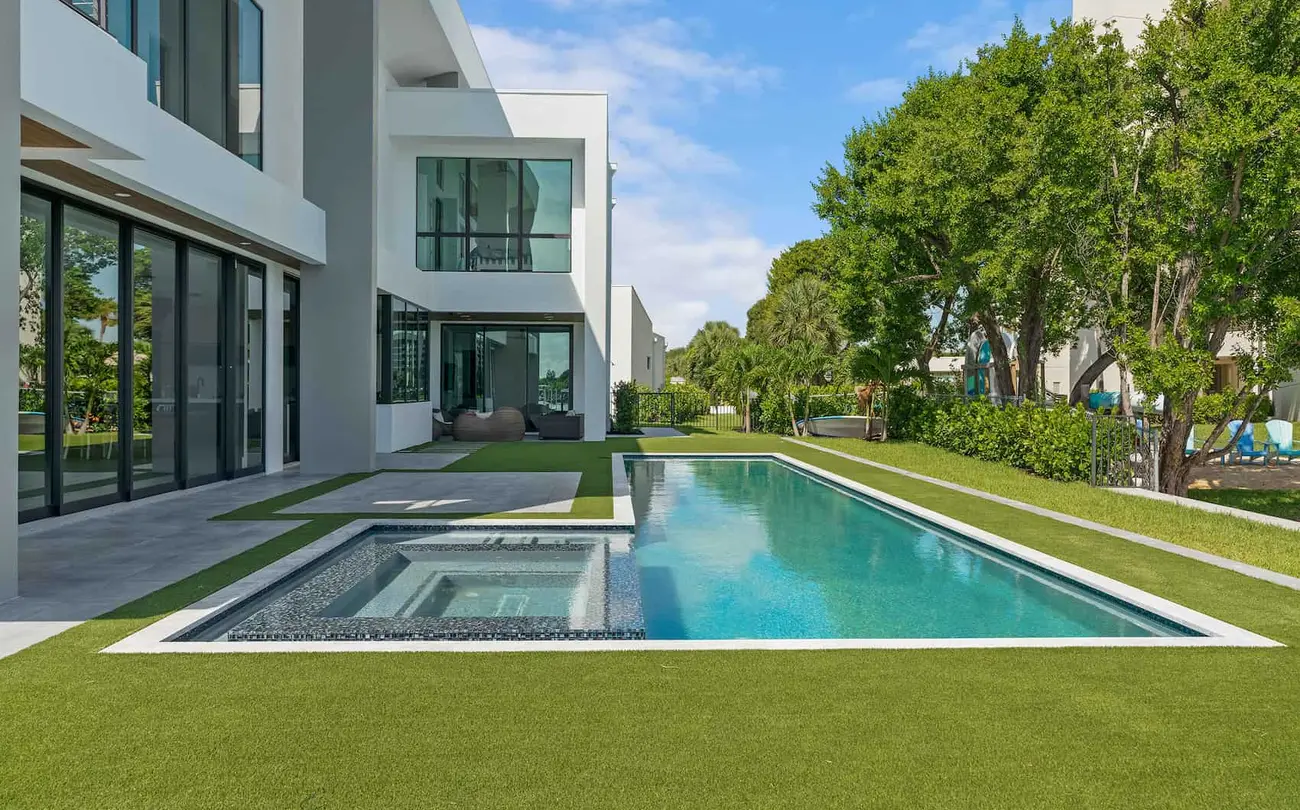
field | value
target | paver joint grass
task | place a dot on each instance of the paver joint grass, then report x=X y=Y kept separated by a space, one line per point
x=1078 y=728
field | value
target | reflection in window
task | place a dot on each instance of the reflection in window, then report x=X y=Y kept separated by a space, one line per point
x=290 y=305
x=250 y=83
x=153 y=328
x=494 y=215
x=523 y=367
x=402 y=351
x=33 y=276
x=250 y=357
x=205 y=390
x=90 y=358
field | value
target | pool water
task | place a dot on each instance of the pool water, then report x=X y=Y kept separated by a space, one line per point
x=756 y=549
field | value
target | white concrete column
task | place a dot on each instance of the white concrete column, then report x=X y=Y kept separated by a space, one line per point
x=340 y=61
x=273 y=402
x=595 y=331
x=10 y=155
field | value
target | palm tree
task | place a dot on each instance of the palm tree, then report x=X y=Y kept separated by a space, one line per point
x=742 y=368
x=704 y=351
x=885 y=367
x=798 y=367
x=805 y=311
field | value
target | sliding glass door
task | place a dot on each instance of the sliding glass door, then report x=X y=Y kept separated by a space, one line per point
x=141 y=359
x=524 y=367
x=290 y=315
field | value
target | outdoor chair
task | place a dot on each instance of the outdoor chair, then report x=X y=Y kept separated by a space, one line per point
x=441 y=425
x=502 y=425
x=566 y=427
x=1244 y=452
x=1280 y=435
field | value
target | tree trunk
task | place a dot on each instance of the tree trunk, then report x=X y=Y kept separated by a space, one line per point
x=1031 y=351
x=936 y=337
x=747 y=412
x=1125 y=397
x=1079 y=390
x=1001 y=358
x=1176 y=467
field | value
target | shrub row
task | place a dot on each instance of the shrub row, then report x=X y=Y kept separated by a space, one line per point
x=1053 y=443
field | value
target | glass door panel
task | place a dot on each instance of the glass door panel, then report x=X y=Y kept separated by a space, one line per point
x=250 y=376
x=290 y=304
x=204 y=388
x=154 y=313
x=33 y=276
x=90 y=356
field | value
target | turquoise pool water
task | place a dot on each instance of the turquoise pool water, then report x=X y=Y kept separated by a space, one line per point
x=749 y=549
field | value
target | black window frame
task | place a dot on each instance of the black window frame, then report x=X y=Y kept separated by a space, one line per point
x=54 y=356
x=385 y=325
x=469 y=233
x=479 y=329
x=230 y=72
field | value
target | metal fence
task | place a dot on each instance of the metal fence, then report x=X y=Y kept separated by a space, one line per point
x=687 y=411
x=1125 y=451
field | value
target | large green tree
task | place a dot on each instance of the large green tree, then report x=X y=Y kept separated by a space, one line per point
x=957 y=204
x=804 y=310
x=815 y=258
x=1214 y=251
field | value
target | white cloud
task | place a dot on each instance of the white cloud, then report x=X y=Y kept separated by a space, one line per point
x=944 y=45
x=878 y=91
x=689 y=255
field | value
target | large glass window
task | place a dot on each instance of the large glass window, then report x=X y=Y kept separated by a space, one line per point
x=33 y=278
x=250 y=82
x=290 y=304
x=203 y=62
x=90 y=355
x=250 y=357
x=204 y=394
x=524 y=367
x=402 y=351
x=494 y=215
x=153 y=316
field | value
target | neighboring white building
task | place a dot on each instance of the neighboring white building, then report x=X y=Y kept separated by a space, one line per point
x=1127 y=16
x=364 y=230
x=659 y=363
x=636 y=352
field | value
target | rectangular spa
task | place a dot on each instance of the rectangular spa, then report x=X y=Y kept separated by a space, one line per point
x=724 y=552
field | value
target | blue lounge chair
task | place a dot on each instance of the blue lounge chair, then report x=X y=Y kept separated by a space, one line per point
x=1192 y=444
x=1245 y=451
x=1280 y=434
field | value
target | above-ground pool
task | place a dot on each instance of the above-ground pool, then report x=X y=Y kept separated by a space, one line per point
x=704 y=551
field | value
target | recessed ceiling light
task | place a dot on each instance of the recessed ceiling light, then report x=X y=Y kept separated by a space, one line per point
x=245 y=244
x=120 y=194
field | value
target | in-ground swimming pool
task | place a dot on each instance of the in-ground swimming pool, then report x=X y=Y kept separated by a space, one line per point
x=734 y=551
x=753 y=548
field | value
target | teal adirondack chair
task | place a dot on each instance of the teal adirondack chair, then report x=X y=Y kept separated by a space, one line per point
x=1280 y=433
x=1245 y=452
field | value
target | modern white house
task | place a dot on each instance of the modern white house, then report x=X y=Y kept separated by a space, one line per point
x=636 y=353
x=253 y=233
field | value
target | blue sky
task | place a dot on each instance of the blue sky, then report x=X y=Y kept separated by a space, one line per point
x=723 y=112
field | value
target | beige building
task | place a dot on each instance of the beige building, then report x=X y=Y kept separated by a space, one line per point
x=1128 y=16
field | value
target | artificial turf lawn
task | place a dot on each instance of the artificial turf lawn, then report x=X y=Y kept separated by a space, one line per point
x=1117 y=728
x=1279 y=502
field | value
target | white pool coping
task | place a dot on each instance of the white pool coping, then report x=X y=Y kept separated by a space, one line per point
x=156 y=637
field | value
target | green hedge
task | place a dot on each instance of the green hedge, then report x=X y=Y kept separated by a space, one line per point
x=1053 y=443
x=689 y=401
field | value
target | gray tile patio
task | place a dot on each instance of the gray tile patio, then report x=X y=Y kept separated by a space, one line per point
x=416 y=461
x=77 y=567
x=416 y=493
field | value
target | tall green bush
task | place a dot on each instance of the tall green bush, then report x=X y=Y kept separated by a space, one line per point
x=626 y=397
x=1053 y=443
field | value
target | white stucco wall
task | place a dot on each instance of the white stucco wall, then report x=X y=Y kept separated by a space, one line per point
x=660 y=359
x=631 y=338
x=398 y=427
x=10 y=146
x=435 y=122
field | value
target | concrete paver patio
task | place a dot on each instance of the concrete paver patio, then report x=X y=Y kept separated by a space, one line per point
x=74 y=568
x=420 y=493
